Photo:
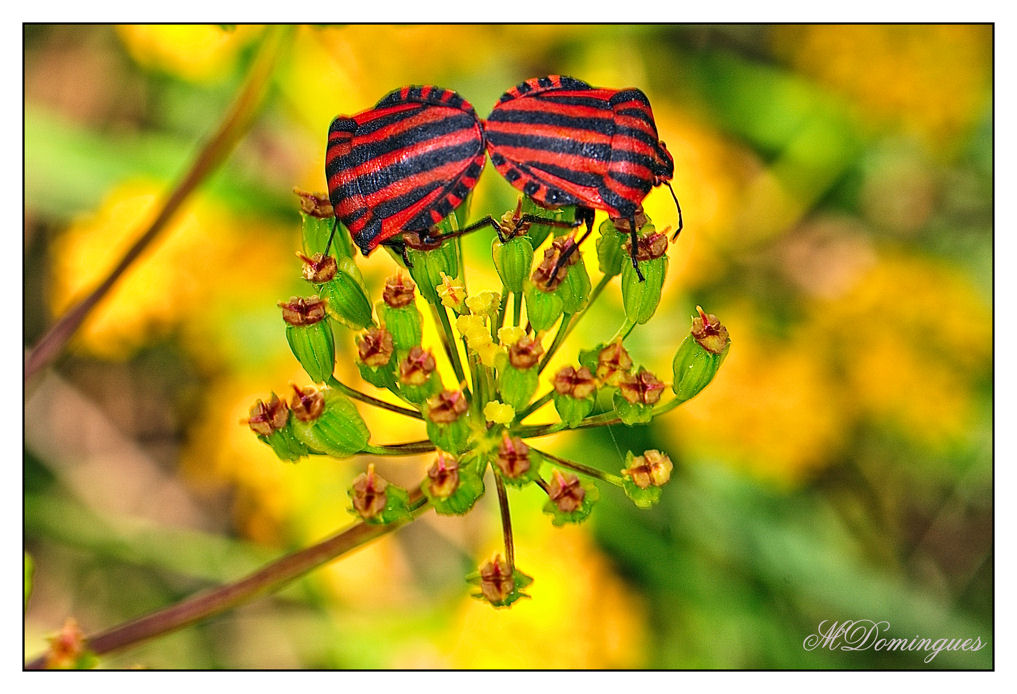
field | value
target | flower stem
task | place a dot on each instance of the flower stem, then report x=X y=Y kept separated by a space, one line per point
x=449 y=341
x=363 y=397
x=604 y=281
x=268 y=579
x=624 y=330
x=582 y=469
x=517 y=308
x=506 y=522
x=502 y=310
x=535 y=405
x=559 y=338
x=213 y=154
x=397 y=449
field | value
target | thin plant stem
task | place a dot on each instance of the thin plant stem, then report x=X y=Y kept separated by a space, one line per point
x=623 y=331
x=502 y=310
x=213 y=154
x=535 y=405
x=363 y=397
x=581 y=469
x=448 y=340
x=268 y=579
x=506 y=522
x=556 y=343
x=398 y=449
x=517 y=308
x=604 y=281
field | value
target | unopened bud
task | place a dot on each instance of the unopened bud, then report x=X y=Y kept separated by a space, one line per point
x=327 y=422
x=303 y=311
x=613 y=363
x=517 y=463
x=641 y=298
x=315 y=204
x=525 y=352
x=310 y=336
x=446 y=407
x=544 y=277
x=347 y=296
x=376 y=500
x=652 y=469
x=565 y=491
x=417 y=367
x=543 y=309
x=375 y=347
x=443 y=477
x=513 y=260
x=318 y=268
x=447 y=420
x=700 y=355
x=643 y=388
x=267 y=418
x=399 y=291
x=452 y=486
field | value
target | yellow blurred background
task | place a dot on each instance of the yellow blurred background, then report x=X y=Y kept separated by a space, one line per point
x=836 y=184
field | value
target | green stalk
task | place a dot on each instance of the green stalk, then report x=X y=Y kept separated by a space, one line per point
x=582 y=469
x=448 y=340
x=399 y=449
x=502 y=310
x=559 y=338
x=535 y=405
x=363 y=397
x=517 y=308
x=604 y=281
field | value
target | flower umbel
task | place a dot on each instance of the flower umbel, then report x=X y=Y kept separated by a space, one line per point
x=493 y=340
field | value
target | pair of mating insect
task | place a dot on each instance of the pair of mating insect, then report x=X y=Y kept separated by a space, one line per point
x=409 y=162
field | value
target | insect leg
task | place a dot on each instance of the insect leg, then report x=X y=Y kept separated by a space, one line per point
x=680 y=222
x=328 y=246
x=634 y=247
x=399 y=246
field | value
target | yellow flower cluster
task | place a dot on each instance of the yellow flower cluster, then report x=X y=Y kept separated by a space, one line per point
x=478 y=339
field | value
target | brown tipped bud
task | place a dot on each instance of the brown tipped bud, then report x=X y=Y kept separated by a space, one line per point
x=307 y=404
x=266 y=418
x=613 y=363
x=443 y=476
x=525 y=352
x=496 y=580
x=648 y=247
x=652 y=469
x=566 y=492
x=578 y=384
x=319 y=268
x=513 y=456
x=368 y=493
x=709 y=333
x=542 y=275
x=67 y=647
x=398 y=291
x=641 y=389
x=375 y=346
x=300 y=311
x=446 y=407
x=315 y=204
x=622 y=224
x=417 y=367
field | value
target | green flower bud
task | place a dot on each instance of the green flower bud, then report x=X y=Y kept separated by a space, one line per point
x=272 y=423
x=376 y=500
x=376 y=352
x=569 y=500
x=610 y=254
x=418 y=379
x=431 y=261
x=543 y=309
x=644 y=476
x=700 y=355
x=517 y=385
x=512 y=260
x=448 y=421
x=500 y=585
x=517 y=463
x=347 y=297
x=574 y=394
x=641 y=298
x=575 y=288
x=451 y=487
x=317 y=221
x=310 y=336
x=636 y=396
x=327 y=422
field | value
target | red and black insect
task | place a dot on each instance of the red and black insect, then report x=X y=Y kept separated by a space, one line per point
x=404 y=165
x=563 y=142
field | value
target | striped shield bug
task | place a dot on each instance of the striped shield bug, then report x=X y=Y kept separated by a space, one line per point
x=404 y=165
x=563 y=142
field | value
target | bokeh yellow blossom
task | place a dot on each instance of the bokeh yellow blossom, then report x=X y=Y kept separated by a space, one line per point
x=198 y=52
